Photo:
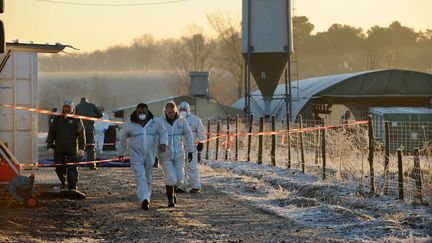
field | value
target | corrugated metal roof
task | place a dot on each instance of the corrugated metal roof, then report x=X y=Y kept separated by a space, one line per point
x=401 y=110
x=148 y=102
x=307 y=88
x=364 y=84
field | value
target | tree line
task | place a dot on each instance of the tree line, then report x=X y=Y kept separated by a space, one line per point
x=339 y=49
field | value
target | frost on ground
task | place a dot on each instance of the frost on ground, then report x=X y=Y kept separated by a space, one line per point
x=341 y=209
x=111 y=213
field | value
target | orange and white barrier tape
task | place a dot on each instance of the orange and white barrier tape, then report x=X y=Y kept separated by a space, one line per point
x=94 y=144
x=283 y=132
x=218 y=135
x=87 y=144
x=228 y=143
x=71 y=163
x=46 y=112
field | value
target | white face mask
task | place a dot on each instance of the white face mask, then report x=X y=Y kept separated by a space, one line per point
x=142 y=117
x=183 y=114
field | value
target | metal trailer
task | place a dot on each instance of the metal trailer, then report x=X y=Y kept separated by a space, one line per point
x=409 y=127
x=18 y=129
x=24 y=185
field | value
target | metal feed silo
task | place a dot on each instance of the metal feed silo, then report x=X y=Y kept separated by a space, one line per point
x=266 y=45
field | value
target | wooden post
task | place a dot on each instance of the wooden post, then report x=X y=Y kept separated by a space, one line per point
x=273 y=146
x=288 y=138
x=236 y=138
x=228 y=138
x=400 y=173
x=301 y=144
x=250 y=137
x=323 y=149
x=208 y=137
x=371 y=154
x=317 y=147
x=217 y=140
x=417 y=171
x=260 y=140
x=386 y=156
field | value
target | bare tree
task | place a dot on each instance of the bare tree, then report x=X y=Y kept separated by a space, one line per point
x=100 y=95
x=191 y=53
x=228 y=56
x=143 y=51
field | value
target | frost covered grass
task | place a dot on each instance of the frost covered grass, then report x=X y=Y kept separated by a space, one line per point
x=342 y=210
x=346 y=153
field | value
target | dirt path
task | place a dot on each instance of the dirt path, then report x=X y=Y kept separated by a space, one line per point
x=111 y=213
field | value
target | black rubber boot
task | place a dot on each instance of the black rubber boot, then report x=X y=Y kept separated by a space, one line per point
x=194 y=190
x=179 y=190
x=170 y=195
x=175 y=194
x=145 y=204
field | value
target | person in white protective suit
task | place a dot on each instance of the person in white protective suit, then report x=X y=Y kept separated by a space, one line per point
x=198 y=132
x=101 y=128
x=173 y=159
x=142 y=134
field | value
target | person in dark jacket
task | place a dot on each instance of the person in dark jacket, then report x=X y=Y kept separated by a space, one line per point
x=84 y=108
x=51 y=117
x=66 y=140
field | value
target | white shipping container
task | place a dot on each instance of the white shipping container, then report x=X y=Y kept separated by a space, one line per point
x=18 y=87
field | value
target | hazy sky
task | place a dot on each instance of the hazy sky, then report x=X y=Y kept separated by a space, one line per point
x=94 y=27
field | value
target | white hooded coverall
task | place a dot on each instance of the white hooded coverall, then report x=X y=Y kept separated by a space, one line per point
x=173 y=159
x=191 y=169
x=101 y=128
x=142 y=143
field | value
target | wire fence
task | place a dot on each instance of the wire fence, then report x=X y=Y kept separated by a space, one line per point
x=337 y=151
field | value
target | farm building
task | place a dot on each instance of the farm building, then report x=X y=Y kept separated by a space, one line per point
x=205 y=108
x=202 y=107
x=198 y=98
x=314 y=97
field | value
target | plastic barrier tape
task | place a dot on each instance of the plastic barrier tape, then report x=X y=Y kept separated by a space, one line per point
x=284 y=132
x=71 y=163
x=59 y=114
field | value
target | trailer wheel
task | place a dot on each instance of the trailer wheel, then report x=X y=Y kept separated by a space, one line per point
x=31 y=202
x=20 y=188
